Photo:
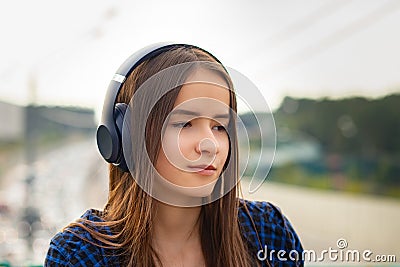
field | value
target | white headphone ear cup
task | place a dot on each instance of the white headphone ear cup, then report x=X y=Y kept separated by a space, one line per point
x=119 y=114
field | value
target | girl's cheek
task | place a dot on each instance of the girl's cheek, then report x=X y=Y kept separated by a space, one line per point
x=225 y=146
x=184 y=141
x=176 y=147
x=170 y=144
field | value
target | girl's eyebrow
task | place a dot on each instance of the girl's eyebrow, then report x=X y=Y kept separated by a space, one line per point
x=196 y=114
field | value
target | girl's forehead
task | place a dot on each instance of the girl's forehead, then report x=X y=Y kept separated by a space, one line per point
x=203 y=91
x=202 y=100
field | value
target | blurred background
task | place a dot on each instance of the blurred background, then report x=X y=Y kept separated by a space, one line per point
x=329 y=71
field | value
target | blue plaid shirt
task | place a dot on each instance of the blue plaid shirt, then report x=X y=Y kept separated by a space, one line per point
x=280 y=244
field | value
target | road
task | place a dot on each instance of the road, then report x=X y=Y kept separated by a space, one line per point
x=65 y=186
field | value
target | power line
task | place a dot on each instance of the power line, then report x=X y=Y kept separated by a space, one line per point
x=338 y=36
x=304 y=23
x=90 y=34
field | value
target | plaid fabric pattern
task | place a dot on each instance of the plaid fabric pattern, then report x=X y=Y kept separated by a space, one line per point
x=274 y=235
x=68 y=248
x=272 y=232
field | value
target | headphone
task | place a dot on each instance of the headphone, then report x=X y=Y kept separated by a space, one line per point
x=109 y=131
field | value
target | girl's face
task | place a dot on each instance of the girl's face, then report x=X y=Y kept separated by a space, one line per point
x=195 y=142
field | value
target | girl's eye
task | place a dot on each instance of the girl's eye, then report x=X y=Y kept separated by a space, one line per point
x=182 y=124
x=220 y=128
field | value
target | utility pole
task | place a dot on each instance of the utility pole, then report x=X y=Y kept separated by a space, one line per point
x=30 y=214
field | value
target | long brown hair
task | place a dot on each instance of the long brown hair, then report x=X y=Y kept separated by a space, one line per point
x=129 y=210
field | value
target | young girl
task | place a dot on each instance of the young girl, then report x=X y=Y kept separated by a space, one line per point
x=173 y=188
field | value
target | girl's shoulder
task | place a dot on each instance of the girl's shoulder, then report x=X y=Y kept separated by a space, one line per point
x=262 y=212
x=267 y=230
x=75 y=246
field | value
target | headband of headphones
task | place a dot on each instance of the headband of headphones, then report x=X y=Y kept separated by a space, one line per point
x=108 y=132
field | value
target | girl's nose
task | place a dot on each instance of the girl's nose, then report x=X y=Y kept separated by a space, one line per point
x=207 y=144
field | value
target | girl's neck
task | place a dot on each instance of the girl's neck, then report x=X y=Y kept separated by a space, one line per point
x=176 y=224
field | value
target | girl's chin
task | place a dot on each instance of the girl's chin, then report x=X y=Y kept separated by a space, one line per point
x=179 y=195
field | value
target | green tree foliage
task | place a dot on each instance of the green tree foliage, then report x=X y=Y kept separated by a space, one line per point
x=360 y=141
x=358 y=126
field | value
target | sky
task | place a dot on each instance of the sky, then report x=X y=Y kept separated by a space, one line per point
x=66 y=52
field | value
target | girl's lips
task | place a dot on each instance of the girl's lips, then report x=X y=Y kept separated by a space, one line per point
x=204 y=170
